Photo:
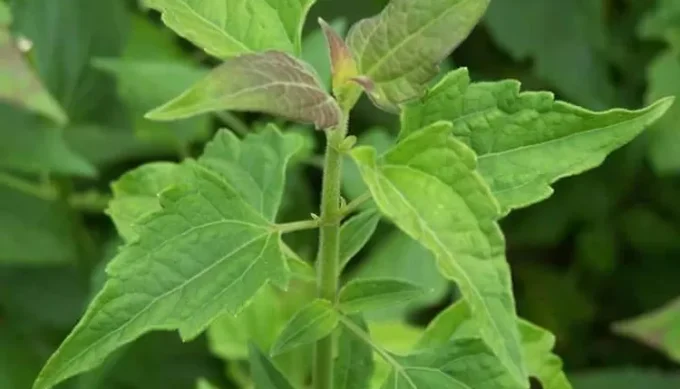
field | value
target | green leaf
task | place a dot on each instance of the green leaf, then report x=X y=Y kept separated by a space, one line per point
x=626 y=378
x=663 y=77
x=204 y=384
x=209 y=250
x=18 y=82
x=135 y=195
x=525 y=141
x=143 y=85
x=34 y=231
x=354 y=364
x=92 y=30
x=400 y=49
x=355 y=233
x=231 y=28
x=264 y=373
x=428 y=186
x=313 y=322
x=271 y=82
x=566 y=41
x=369 y=294
x=29 y=145
x=659 y=329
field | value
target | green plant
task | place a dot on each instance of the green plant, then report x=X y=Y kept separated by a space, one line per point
x=205 y=247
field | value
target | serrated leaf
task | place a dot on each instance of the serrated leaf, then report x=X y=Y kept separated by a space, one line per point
x=400 y=49
x=525 y=141
x=230 y=28
x=428 y=186
x=135 y=195
x=315 y=321
x=659 y=329
x=270 y=82
x=264 y=373
x=209 y=251
x=355 y=233
x=354 y=364
x=18 y=82
x=370 y=294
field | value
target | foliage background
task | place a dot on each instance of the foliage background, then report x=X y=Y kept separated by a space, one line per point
x=603 y=248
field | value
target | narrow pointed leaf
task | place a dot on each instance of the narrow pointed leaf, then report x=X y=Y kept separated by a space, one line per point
x=271 y=82
x=343 y=68
x=313 y=322
x=355 y=233
x=429 y=187
x=371 y=294
x=354 y=364
x=659 y=329
x=525 y=141
x=315 y=51
x=207 y=251
x=264 y=373
x=401 y=48
x=230 y=28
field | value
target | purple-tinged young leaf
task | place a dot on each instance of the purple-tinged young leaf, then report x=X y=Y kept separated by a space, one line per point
x=271 y=82
x=343 y=68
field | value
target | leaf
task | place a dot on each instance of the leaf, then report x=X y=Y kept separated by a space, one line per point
x=264 y=373
x=369 y=294
x=92 y=30
x=271 y=82
x=343 y=68
x=34 y=231
x=400 y=48
x=525 y=141
x=18 y=82
x=659 y=329
x=626 y=378
x=144 y=85
x=204 y=384
x=427 y=185
x=135 y=195
x=355 y=233
x=354 y=364
x=315 y=51
x=209 y=252
x=231 y=28
x=565 y=40
x=29 y=145
x=313 y=322
x=663 y=77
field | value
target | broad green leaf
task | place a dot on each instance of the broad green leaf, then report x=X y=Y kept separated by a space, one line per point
x=428 y=186
x=370 y=294
x=230 y=28
x=354 y=364
x=659 y=329
x=209 y=250
x=271 y=82
x=400 y=49
x=525 y=141
x=28 y=144
x=355 y=233
x=564 y=40
x=204 y=384
x=537 y=344
x=313 y=322
x=135 y=195
x=398 y=256
x=34 y=231
x=315 y=51
x=626 y=378
x=143 y=85
x=264 y=373
x=92 y=30
x=152 y=42
x=663 y=77
x=352 y=184
x=18 y=82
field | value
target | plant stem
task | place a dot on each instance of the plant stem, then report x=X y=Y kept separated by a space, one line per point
x=355 y=204
x=285 y=228
x=329 y=248
x=233 y=122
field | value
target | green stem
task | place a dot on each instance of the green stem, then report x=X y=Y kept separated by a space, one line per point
x=329 y=249
x=29 y=188
x=355 y=204
x=233 y=122
x=285 y=228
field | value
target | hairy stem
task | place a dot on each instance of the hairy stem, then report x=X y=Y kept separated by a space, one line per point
x=286 y=228
x=329 y=248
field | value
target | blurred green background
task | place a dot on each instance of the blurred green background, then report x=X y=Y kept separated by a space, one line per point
x=604 y=248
